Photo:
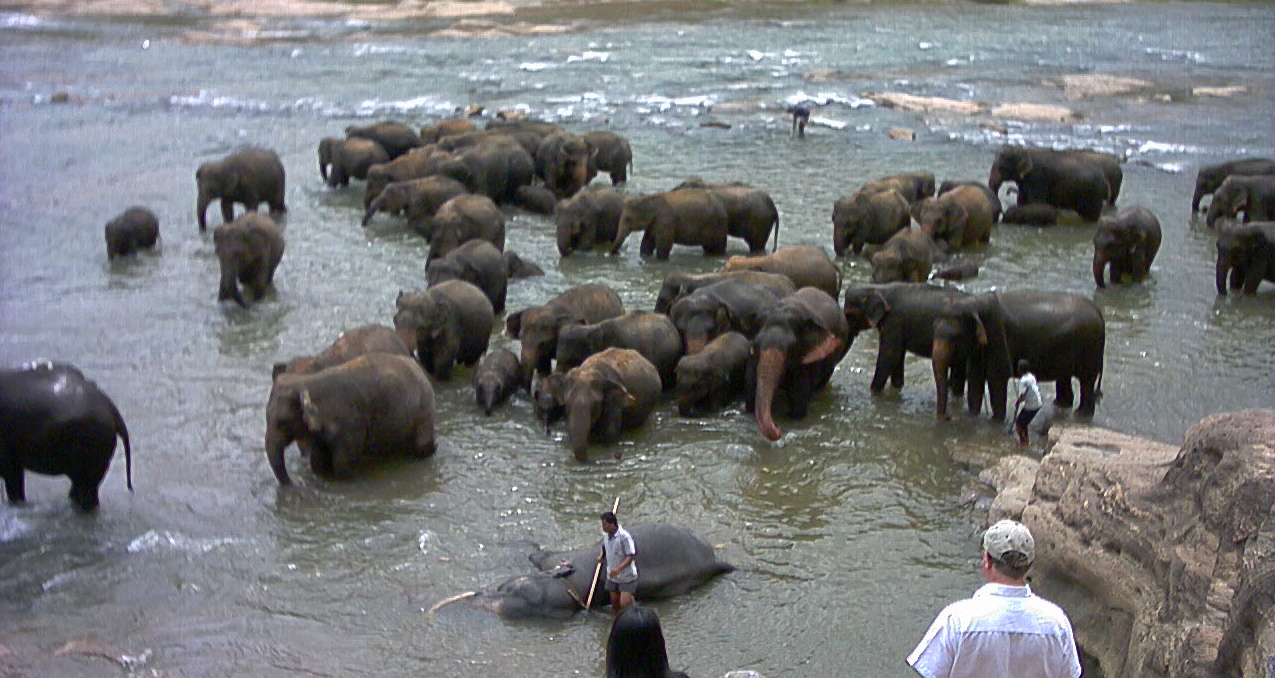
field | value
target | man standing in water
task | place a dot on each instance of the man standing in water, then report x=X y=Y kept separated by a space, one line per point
x=1028 y=403
x=619 y=552
x=1004 y=631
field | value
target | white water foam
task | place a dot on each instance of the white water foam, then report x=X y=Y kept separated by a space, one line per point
x=12 y=527
x=601 y=57
x=15 y=20
x=175 y=541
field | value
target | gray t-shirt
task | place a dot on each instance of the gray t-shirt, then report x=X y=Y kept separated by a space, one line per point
x=619 y=546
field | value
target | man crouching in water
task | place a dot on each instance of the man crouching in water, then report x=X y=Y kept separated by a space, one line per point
x=619 y=553
x=800 y=117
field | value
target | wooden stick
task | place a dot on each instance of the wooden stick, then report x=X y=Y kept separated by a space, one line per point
x=588 y=603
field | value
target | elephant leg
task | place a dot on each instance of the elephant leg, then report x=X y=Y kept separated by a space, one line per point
x=884 y=370
x=956 y=378
x=1063 y=394
x=648 y=244
x=800 y=391
x=320 y=459
x=276 y=202
x=14 y=482
x=896 y=376
x=83 y=492
x=1088 y=398
x=227 y=210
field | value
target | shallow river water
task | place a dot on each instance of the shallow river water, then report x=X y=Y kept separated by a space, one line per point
x=849 y=534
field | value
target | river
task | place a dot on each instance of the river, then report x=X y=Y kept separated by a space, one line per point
x=849 y=534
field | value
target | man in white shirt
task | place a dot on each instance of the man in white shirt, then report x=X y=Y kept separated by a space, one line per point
x=619 y=552
x=1004 y=630
x=1028 y=398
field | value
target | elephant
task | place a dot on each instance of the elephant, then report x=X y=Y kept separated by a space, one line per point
x=477 y=262
x=517 y=267
x=56 y=421
x=496 y=168
x=535 y=199
x=801 y=340
x=562 y=162
x=372 y=406
x=537 y=327
x=1252 y=195
x=868 y=217
x=528 y=139
x=395 y=137
x=903 y=315
x=671 y=561
x=612 y=391
x=1064 y=179
x=546 y=398
x=435 y=132
x=446 y=324
x=991 y=195
x=349 y=159
x=1245 y=252
x=730 y=304
x=249 y=250
x=691 y=216
x=588 y=219
x=650 y=334
x=351 y=344
x=497 y=377
x=962 y=217
x=1062 y=335
x=750 y=213
x=419 y=163
x=804 y=265
x=678 y=285
x=1128 y=242
x=960 y=270
x=1033 y=214
x=912 y=186
x=418 y=199
x=133 y=230
x=609 y=152
x=1110 y=165
x=908 y=256
x=709 y=380
x=464 y=218
x=1210 y=177
x=250 y=176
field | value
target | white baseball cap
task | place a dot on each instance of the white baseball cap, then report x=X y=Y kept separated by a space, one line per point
x=1009 y=536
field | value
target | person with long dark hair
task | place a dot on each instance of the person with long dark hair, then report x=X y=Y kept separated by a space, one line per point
x=635 y=648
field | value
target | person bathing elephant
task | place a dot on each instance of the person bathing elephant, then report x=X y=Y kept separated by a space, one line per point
x=349 y=159
x=537 y=327
x=1245 y=252
x=249 y=176
x=903 y=315
x=351 y=344
x=133 y=230
x=1252 y=195
x=1071 y=180
x=691 y=216
x=446 y=324
x=608 y=152
x=249 y=250
x=55 y=421
x=1210 y=177
x=588 y=219
x=651 y=334
x=868 y=217
x=962 y=217
x=712 y=378
x=801 y=340
x=804 y=265
x=750 y=213
x=349 y=415
x=477 y=262
x=1127 y=243
x=1062 y=336
x=908 y=256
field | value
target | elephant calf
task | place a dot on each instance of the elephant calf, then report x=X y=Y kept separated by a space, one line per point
x=804 y=265
x=1245 y=252
x=497 y=377
x=1252 y=195
x=651 y=334
x=712 y=378
x=133 y=230
x=350 y=345
x=962 y=217
x=908 y=256
x=446 y=324
x=249 y=250
x=249 y=176
x=588 y=219
x=610 y=392
x=1128 y=243
x=868 y=217
x=477 y=262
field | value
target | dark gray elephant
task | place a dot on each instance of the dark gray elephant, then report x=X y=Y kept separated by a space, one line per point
x=804 y=265
x=609 y=152
x=1127 y=243
x=348 y=159
x=1246 y=253
x=714 y=377
x=347 y=416
x=725 y=306
x=1252 y=195
x=351 y=344
x=537 y=327
x=417 y=199
x=962 y=217
x=1034 y=214
x=133 y=230
x=612 y=391
x=912 y=186
x=903 y=315
x=678 y=285
x=435 y=132
x=498 y=376
x=650 y=334
x=1210 y=177
x=958 y=270
x=464 y=218
x=750 y=213
x=55 y=421
x=519 y=268
x=1062 y=335
x=692 y=216
x=477 y=262
x=562 y=162
x=249 y=250
x=801 y=340
x=535 y=199
x=447 y=324
x=588 y=219
x=395 y=137
x=868 y=217
x=496 y=168
x=1065 y=179
x=908 y=256
x=671 y=561
x=249 y=176
x=420 y=163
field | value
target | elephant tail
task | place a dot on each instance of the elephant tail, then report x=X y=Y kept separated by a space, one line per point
x=447 y=601
x=122 y=431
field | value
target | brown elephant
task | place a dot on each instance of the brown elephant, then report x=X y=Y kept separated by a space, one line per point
x=562 y=162
x=249 y=250
x=588 y=219
x=347 y=416
x=348 y=158
x=1245 y=253
x=249 y=176
x=435 y=132
x=908 y=256
x=477 y=262
x=417 y=199
x=691 y=216
x=395 y=137
x=750 y=213
x=651 y=334
x=804 y=265
x=537 y=327
x=724 y=306
x=1209 y=177
x=608 y=152
x=1078 y=180
x=447 y=324
x=709 y=380
x=498 y=376
x=611 y=392
x=464 y=218
x=962 y=217
x=912 y=186
x=1252 y=195
x=868 y=217
x=419 y=163
x=133 y=230
x=351 y=344
x=1127 y=243
x=678 y=285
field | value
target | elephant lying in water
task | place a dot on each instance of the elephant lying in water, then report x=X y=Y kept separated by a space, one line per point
x=671 y=560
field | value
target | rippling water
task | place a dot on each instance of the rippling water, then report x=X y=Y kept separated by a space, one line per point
x=849 y=534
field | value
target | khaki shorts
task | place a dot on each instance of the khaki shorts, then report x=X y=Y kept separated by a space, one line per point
x=622 y=587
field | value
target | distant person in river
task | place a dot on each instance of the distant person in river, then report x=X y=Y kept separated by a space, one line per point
x=800 y=117
x=1028 y=403
x=619 y=553
x=1005 y=630
x=635 y=648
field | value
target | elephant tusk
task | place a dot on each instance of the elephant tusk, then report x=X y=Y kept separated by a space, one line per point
x=429 y=614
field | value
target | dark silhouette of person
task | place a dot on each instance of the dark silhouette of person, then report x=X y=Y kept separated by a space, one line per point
x=800 y=116
x=635 y=648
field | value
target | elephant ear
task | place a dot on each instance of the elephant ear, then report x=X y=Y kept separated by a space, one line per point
x=1023 y=165
x=310 y=412
x=826 y=347
x=875 y=309
x=956 y=215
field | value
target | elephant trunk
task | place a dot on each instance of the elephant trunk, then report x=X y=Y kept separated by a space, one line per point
x=1215 y=212
x=528 y=358
x=201 y=208
x=696 y=343
x=372 y=208
x=276 y=442
x=621 y=232
x=229 y=288
x=1223 y=268
x=942 y=353
x=485 y=395
x=994 y=180
x=770 y=369
x=1099 y=263
x=579 y=423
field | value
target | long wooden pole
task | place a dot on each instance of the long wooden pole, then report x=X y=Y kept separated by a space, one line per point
x=597 y=569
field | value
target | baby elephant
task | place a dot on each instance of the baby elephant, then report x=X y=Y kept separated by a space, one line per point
x=651 y=334
x=907 y=256
x=1034 y=214
x=135 y=229
x=712 y=378
x=1128 y=243
x=612 y=391
x=249 y=249
x=497 y=377
x=446 y=324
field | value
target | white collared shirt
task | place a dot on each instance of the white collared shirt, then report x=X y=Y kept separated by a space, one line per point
x=1028 y=387
x=619 y=546
x=1001 y=632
